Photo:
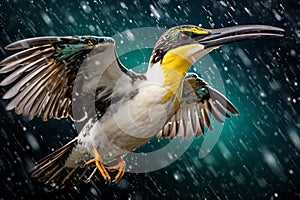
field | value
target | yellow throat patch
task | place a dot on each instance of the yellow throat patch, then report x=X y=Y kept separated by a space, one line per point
x=175 y=65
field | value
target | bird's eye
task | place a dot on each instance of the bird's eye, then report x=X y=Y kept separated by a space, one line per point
x=183 y=37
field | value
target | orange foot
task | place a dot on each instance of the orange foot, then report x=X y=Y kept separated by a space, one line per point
x=99 y=165
x=121 y=166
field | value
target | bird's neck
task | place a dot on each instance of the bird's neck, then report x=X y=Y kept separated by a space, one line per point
x=170 y=72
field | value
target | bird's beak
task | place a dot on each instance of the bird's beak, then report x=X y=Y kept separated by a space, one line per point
x=218 y=37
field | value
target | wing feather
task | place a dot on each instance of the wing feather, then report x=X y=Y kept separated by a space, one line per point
x=21 y=84
x=189 y=130
x=23 y=57
x=40 y=41
x=199 y=102
x=198 y=127
x=43 y=73
x=221 y=109
x=18 y=73
x=173 y=127
x=223 y=101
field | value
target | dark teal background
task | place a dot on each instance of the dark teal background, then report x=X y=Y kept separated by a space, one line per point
x=257 y=155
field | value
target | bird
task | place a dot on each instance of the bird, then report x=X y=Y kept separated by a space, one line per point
x=82 y=78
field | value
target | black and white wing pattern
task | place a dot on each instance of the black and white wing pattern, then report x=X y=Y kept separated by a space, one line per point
x=199 y=101
x=43 y=73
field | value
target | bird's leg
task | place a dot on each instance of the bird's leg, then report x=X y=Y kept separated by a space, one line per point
x=121 y=166
x=99 y=164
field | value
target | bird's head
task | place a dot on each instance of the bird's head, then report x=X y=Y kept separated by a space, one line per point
x=181 y=46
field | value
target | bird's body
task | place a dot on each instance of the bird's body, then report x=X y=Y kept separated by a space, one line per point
x=132 y=119
x=128 y=125
x=82 y=78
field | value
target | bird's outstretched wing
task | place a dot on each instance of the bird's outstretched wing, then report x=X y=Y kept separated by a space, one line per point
x=199 y=101
x=43 y=73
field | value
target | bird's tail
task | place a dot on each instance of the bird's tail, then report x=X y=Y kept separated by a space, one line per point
x=54 y=170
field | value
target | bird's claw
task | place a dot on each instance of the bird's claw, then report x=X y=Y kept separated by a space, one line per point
x=121 y=166
x=99 y=165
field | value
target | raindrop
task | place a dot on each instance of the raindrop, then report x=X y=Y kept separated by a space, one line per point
x=293 y=53
x=32 y=141
x=123 y=5
x=92 y=28
x=294 y=137
x=248 y=11
x=272 y=162
x=71 y=19
x=47 y=19
x=177 y=176
x=86 y=8
x=154 y=12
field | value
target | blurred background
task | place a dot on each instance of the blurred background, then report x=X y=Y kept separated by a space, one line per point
x=257 y=154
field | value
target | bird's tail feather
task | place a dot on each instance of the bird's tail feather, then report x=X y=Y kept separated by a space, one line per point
x=53 y=171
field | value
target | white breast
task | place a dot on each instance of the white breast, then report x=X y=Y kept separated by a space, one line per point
x=131 y=123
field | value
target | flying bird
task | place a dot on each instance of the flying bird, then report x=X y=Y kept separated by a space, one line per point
x=82 y=78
